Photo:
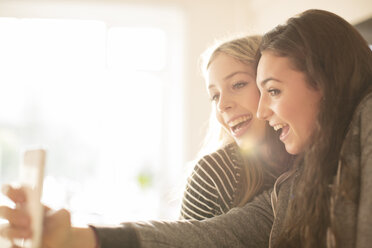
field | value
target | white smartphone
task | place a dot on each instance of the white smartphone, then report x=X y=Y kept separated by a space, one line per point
x=32 y=177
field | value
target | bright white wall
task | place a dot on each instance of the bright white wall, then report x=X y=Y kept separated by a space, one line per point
x=206 y=20
x=269 y=12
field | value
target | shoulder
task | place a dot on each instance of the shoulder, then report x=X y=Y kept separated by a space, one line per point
x=220 y=173
x=225 y=162
x=210 y=187
x=362 y=116
x=362 y=119
x=365 y=106
x=365 y=124
x=365 y=109
x=358 y=139
x=228 y=156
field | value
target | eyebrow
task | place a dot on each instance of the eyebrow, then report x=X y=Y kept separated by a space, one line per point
x=263 y=82
x=234 y=73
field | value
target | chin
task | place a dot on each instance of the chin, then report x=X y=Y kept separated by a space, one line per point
x=292 y=149
x=239 y=142
x=247 y=144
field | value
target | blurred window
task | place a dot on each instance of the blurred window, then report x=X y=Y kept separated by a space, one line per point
x=98 y=98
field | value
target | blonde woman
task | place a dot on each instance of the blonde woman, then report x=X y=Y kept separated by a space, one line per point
x=250 y=155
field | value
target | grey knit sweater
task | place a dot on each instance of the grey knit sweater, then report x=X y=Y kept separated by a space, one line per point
x=254 y=224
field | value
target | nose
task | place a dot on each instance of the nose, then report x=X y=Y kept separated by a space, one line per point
x=263 y=111
x=225 y=103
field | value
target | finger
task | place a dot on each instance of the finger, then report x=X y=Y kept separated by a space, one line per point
x=60 y=213
x=11 y=232
x=16 y=217
x=63 y=214
x=17 y=243
x=60 y=216
x=47 y=209
x=17 y=195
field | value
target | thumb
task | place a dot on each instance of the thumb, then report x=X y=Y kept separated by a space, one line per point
x=16 y=194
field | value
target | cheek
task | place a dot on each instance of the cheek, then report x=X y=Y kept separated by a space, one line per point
x=301 y=120
x=254 y=102
x=251 y=99
x=311 y=120
x=288 y=108
x=259 y=129
x=305 y=113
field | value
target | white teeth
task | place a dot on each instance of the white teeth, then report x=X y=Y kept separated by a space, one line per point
x=278 y=126
x=239 y=120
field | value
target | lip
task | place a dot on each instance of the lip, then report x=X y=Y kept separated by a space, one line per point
x=240 y=132
x=237 y=117
x=285 y=132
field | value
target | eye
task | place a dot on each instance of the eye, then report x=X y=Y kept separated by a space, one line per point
x=239 y=85
x=215 y=97
x=273 y=92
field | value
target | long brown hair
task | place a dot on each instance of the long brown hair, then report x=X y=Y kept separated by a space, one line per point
x=257 y=170
x=337 y=61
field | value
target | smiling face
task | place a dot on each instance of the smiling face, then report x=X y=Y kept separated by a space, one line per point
x=287 y=102
x=232 y=88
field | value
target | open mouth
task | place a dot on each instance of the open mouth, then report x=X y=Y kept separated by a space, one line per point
x=283 y=129
x=239 y=125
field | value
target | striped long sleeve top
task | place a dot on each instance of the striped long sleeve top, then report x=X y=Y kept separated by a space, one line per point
x=214 y=185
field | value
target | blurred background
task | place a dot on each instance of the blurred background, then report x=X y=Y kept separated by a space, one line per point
x=114 y=92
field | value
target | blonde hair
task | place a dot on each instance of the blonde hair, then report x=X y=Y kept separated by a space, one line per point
x=243 y=49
